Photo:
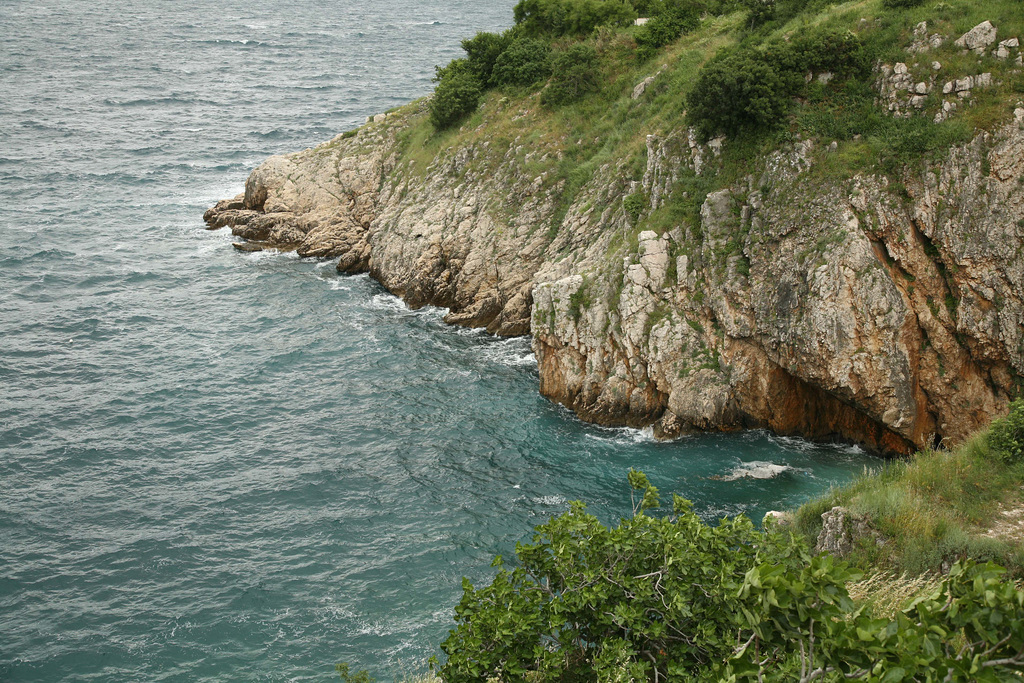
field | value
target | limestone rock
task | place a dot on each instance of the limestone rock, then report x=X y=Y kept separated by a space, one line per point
x=826 y=308
x=978 y=38
x=641 y=87
x=840 y=532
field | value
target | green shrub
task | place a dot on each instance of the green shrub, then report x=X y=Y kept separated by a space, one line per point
x=349 y=676
x=841 y=52
x=524 y=62
x=574 y=74
x=483 y=50
x=753 y=87
x=761 y=11
x=1006 y=437
x=453 y=68
x=735 y=92
x=901 y=4
x=457 y=95
x=635 y=205
x=675 y=599
x=662 y=29
x=571 y=17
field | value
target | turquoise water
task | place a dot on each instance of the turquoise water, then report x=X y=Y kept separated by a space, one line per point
x=224 y=466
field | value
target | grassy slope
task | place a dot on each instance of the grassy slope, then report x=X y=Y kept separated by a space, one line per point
x=610 y=127
x=936 y=507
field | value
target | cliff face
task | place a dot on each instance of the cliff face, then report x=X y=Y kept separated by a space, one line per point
x=799 y=299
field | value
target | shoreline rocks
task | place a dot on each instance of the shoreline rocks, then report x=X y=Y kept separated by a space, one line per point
x=838 y=308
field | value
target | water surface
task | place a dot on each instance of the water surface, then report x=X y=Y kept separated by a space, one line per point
x=220 y=466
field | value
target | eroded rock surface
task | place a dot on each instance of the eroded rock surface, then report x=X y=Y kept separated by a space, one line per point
x=887 y=315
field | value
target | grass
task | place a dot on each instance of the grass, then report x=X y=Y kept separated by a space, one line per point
x=888 y=593
x=930 y=510
x=580 y=148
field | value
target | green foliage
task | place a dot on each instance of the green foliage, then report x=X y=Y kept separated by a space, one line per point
x=753 y=87
x=635 y=204
x=574 y=74
x=737 y=91
x=457 y=95
x=349 y=676
x=524 y=62
x=571 y=17
x=665 y=27
x=580 y=300
x=761 y=11
x=672 y=598
x=482 y=51
x=456 y=67
x=1006 y=436
x=901 y=4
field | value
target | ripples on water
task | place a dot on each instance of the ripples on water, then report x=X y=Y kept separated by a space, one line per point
x=224 y=466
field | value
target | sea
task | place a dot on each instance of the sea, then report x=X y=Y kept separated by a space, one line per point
x=219 y=466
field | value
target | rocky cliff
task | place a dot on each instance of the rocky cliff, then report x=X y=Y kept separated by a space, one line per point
x=798 y=297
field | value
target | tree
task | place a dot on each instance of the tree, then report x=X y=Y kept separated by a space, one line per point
x=483 y=51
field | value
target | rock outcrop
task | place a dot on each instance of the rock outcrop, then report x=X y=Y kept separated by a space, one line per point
x=841 y=531
x=887 y=314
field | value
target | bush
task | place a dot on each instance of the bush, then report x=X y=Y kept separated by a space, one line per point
x=482 y=51
x=524 y=62
x=454 y=67
x=665 y=27
x=674 y=599
x=635 y=204
x=761 y=11
x=736 y=92
x=571 y=17
x=901 y=4
x=841 y=52
x=1006 y=437
x=457 y=95
x=574 y=74
x=753 y=87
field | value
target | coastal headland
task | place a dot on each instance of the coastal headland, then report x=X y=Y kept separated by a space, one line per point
x=688 y=282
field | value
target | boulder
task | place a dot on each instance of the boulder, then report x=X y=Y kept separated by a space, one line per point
x=978 y=38
x=840 y=530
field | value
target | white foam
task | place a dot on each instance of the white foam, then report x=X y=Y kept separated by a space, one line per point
x=625 y=435
x=270 y=255
x=549 y=500
x=756 y=469
x=513 y=352
x=387 y=302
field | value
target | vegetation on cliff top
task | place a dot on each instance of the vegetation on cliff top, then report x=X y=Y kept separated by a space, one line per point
x=559 y=86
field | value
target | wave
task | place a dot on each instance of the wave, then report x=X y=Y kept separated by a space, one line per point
x=514 y=352
x=245 y=42
x=157 y=101
x=624 y=435
x=801 y=445
x=756 y=469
